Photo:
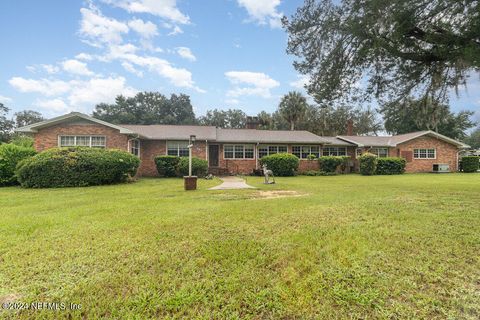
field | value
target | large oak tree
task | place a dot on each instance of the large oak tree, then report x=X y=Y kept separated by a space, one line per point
x=387 y=49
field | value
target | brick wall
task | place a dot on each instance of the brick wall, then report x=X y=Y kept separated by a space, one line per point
x=446 y=153
x=149 y=149
x=48 y=137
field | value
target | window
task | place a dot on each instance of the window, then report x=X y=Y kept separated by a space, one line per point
x=177 y=148
x=379 y=152
x=135 y=147
x=334 y=151
x=83 y=141
x=238 y=151
x=268 y=150
x=302 y=152
x=424 y=153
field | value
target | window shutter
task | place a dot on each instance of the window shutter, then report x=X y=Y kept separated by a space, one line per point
x=407 y=155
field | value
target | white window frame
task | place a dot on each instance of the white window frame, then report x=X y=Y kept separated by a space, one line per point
x=319 y=154
x=417 y=152
x=179 y=145
x=337 y=152
x=244 y=147
x=375 y=152
x=80 y=135
x=131 y=147
x=268 y=146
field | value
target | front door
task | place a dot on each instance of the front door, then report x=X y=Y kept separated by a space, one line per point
x=213 y=155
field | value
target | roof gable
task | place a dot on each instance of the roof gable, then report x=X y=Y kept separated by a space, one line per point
x=68 y=117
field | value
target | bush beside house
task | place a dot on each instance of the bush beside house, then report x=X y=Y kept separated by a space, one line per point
x=331 y=164
x=281 y=164
x=167 y=165
x=470 y=164
x=76 y=167
x=199 y=167
x=391 y=165
x=10 y=156
x=368 y=164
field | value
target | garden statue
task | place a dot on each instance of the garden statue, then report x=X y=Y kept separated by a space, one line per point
x=268 y=173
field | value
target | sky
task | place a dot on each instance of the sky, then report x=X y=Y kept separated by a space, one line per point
x=59 y=56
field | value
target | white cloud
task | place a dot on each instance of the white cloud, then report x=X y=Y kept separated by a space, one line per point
x=84 y=56
x=50 y=69
x=44 y=86
x=76 y=67
x=166 y=9
x=5 y=99
x=100 y=29
x=263 y=11
x=300 y=82
x=99 y=90
x=175 y=30
x=250 y=83
x=232 y=101
x=144 y=29
x=130 y=68
x=57 y=105
x=186 y=53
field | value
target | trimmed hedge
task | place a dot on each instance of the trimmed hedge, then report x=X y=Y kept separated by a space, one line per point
x=199 y=167
x=76 y=167
x=281 y=164
x=330 y=164
x=10 y=156
x=368 y=164
x=390 y=165
x=167 y=165
x=470 y=164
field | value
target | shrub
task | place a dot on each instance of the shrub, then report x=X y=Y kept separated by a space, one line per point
x=368 y=164
x=392 y=165
x=311 y=173
x=330 y=164
x=76 y=167
x=199 y=167
x=470 y=164
x=10 y=156
x=167 y=165
x=23 y=141
x=281 y=164
x=311 y=157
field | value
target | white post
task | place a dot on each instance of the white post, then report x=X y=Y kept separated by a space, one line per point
x=190 y=160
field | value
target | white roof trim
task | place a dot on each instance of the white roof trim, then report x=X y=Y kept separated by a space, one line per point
x=437 y=135
x=350 y=141
x=34 y=127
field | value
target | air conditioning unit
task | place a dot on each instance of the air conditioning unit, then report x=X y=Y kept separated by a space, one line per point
x=441 y=168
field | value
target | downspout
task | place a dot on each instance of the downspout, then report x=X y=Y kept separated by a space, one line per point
x=206 y=150
x=256 y=155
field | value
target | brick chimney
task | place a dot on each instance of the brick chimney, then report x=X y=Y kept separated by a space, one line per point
x=252 y=122
x=350 y=127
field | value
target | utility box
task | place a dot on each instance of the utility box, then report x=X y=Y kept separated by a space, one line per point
x=441 y=168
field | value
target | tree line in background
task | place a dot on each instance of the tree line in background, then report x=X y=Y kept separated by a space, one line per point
x=293 y=113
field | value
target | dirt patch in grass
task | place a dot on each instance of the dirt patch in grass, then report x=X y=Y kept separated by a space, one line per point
x=12 y=297
x=274 y=194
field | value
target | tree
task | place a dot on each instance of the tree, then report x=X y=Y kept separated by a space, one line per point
x=473 y=140
x=292 y=107
x=147 y=108
x=385 y=49
x=332 y=121
x=231 y=118
x=6 y=125
x=416 y=115
x=26 y=117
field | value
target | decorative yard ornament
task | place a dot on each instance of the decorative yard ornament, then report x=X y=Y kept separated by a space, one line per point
x=268 y=173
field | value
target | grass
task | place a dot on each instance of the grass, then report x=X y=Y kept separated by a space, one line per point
x=393 y=247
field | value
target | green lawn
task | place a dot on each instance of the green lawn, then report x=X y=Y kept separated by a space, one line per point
x=344 y=247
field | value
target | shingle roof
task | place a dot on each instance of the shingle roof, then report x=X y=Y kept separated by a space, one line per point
x=267 y=136
x=337 y=142
x=173 y=132
x=368 y=141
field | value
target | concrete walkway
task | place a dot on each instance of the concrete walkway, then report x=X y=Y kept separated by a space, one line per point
x=230 y=183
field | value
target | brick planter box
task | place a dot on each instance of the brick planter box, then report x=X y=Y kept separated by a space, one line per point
x=190 y=183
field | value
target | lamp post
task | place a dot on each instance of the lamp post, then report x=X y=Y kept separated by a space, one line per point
x=190 y=146
x=190 y=182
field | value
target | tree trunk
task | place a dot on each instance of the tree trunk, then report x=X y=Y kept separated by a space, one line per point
x=292 y=125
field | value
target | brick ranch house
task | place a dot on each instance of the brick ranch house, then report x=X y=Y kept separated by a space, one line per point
x=239 y=150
